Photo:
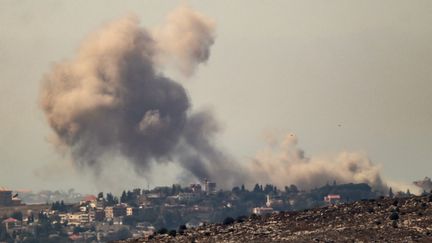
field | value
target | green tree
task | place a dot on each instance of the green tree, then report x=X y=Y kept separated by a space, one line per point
x=390 y=193
x=62 y=206
x=293 y=188
x=268 y=188
x=110 y=199
x=257 y=188
x=408 y=192
x=130 y=197
x=236 y=190
x=123 y=198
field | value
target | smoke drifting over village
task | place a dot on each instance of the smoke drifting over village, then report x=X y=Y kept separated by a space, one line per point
x=282 y=162
x=113 y=99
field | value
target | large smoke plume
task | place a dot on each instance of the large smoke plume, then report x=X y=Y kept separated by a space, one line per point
x=111 y=99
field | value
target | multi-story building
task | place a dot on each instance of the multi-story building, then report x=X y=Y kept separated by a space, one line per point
x=274 y=202
x=63 y=217
x=188 y=196
x=74 y=219
x=16 y=201
x=262 y=211
x=92 y=215
x=119 y=210
x=129 y=211
x=195 y=187
x=84 y=218
x=79 y=218
x=99 y=215
x=209 y=187
x=109 y=212
x=100 y=204
x=5 y=197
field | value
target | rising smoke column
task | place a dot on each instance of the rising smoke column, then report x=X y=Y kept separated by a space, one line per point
x=110 y=98
x=283 y=163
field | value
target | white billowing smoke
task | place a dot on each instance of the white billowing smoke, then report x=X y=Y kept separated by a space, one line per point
x=283 y=163
x=184 y=39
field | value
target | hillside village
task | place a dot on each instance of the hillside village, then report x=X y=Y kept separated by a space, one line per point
x=384 y=219
x=142 y=213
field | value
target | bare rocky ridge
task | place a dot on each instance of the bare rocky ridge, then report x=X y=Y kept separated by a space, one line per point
x=381 y=220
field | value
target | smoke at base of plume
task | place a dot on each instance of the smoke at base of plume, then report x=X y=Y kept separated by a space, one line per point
x=110 y=99
x=283 y=163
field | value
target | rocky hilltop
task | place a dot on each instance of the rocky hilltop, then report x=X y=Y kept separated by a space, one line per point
x=376 y=220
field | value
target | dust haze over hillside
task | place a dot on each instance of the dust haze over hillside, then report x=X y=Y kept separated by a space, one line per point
x=283 y=161
x=112 y=98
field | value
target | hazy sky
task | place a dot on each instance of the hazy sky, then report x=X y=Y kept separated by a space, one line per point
x=285 y=66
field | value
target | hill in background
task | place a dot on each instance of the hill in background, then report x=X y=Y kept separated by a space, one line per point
x=382 y=220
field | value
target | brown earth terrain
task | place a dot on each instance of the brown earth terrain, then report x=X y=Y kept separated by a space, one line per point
x=380 y=220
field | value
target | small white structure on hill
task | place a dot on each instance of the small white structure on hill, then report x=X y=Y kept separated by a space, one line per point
x=262 y=211
x=332 y=198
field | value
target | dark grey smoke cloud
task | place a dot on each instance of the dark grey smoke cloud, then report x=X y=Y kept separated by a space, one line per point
x=111 y=99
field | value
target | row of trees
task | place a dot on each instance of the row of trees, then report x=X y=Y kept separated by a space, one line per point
x=268 y=188
x=128 y=197
x=110 y=199
x=60 y=206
